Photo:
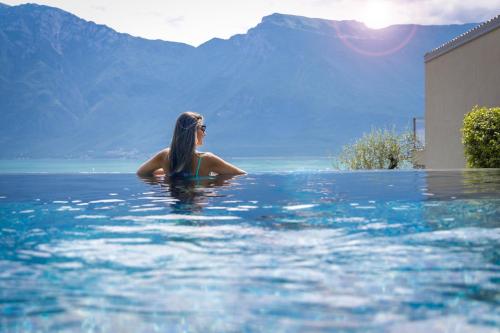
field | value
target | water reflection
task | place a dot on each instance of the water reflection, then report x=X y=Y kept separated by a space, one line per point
x=190 y=194
x=462 y=201
x=462 y=184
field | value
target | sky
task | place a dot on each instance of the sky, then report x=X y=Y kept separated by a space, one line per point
x=197 y=21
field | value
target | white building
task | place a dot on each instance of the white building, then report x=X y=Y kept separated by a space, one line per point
x=458 y=75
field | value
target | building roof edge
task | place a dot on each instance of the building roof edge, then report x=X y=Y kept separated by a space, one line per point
x=464 y=38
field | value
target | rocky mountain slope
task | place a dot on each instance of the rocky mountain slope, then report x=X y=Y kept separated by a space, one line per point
x=290 y=85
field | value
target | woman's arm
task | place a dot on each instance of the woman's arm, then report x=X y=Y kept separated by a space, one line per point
x=221 y=167
x=152 y=166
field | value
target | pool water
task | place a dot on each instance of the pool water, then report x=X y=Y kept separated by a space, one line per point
x=403 y=251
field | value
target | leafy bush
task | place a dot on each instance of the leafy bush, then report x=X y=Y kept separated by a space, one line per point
x=379 y=149
x=481 y=137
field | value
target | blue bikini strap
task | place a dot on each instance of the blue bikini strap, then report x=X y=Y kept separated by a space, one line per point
x=198 y=167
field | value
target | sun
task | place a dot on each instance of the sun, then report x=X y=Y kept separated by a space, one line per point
x=377 y=14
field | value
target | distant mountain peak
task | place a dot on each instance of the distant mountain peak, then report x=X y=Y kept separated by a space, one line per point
x=50 y=14
x=296 y=22
x=292 y=21
x=55 y=21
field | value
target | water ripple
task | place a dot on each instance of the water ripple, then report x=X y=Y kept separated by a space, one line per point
x=361 y=252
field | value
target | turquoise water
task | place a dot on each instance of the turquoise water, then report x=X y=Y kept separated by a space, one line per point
x=402 y=251
x=253 y=165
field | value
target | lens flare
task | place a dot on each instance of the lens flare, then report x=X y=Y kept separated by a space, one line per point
x=375 y=43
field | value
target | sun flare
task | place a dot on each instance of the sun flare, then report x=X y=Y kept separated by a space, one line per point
x=377 y=14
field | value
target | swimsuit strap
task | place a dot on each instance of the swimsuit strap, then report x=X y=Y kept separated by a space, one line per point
x=198 y=167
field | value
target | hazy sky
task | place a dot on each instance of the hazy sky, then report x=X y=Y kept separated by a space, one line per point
x=196 y=21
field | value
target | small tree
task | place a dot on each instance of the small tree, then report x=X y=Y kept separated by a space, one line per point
x=379 y=149
x=481 y=137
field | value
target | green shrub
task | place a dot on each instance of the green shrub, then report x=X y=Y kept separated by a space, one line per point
x=481 y=137
x=379 y=149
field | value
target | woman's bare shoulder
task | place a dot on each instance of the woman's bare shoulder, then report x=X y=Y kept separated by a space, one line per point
x=208 y=156
x=154 y=163
x=164 y=155
x=220 y=166
x=165 y=151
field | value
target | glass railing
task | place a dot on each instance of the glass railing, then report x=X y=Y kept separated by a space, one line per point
x=419 y=132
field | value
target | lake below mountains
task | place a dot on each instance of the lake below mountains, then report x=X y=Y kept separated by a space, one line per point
x=251 y=165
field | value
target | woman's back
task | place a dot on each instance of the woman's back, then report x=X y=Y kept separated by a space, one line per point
x=203 y=165
x=182 y=159
x=198 y=166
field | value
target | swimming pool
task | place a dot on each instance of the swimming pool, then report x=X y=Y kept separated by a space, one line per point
x=402 y=251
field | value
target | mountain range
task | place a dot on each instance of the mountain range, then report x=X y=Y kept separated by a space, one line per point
x=292 y=85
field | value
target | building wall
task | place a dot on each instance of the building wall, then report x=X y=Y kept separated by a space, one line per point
x=454 y=82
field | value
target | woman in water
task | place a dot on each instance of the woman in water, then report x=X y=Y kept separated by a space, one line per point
x=182 y=159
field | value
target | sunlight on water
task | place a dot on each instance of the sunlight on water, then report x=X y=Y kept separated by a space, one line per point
x=268 y=252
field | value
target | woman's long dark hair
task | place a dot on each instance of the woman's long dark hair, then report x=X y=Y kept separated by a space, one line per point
x=183 y=145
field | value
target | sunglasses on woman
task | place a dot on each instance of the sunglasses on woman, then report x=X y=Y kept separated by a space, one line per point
x=203 y=128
